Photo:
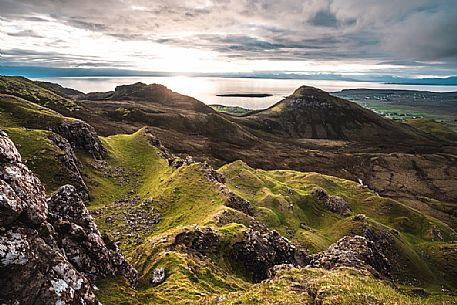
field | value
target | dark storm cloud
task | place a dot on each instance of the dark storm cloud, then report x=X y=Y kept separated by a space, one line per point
x=397 y=32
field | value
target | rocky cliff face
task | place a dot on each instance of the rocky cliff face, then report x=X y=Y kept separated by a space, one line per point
x=72 y=165
x=51 y=246
x=82 y=136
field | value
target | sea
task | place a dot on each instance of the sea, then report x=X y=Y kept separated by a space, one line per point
x=206 y=89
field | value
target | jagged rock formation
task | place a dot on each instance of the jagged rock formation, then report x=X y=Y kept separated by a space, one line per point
x=335 y=204
x=86 y=249
x=71 y=164
x=83 y=136
x=23 y=193
x=258 y=252
x=42 y=251
x=353 y=251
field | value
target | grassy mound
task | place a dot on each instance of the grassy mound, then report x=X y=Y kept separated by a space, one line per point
x=31 y=91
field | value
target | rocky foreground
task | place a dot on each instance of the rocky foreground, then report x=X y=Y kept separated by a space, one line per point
x=51 y=251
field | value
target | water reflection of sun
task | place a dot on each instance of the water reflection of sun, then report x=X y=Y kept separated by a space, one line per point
x=192 y=86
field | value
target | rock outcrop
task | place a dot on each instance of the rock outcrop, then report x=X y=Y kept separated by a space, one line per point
x=356 y=252
x=255 y=253
x=258 y=252
x=82 y=136
x=71 y=164
x=23 y=194
x=90 y=252
x=335 y=204
x=49 y=254
x=34 y=272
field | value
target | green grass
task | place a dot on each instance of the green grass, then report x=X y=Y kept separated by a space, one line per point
x=135 y=172
x=131 y=164
x=29 y=90
x=188 y=279
x=235 y=110
x=319 y=286
x=435 y=128
x=41 y=156
x=283 y=201
x=17 y=112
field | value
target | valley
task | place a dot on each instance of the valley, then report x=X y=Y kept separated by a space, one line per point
x=315 y=200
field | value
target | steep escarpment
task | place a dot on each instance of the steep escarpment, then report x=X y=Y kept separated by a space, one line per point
x=37 y=236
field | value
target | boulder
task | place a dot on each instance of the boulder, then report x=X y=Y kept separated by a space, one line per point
x=158 y=277
x=335 y=204
x=258 y=252
x=204 y=241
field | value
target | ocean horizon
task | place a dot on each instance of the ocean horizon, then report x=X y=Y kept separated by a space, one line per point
x=206 y=89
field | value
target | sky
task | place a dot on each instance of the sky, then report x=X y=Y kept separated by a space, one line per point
x=403 y=38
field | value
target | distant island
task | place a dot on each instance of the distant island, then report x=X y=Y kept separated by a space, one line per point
x=254 y=95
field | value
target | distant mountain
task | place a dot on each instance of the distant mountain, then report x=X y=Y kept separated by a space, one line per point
x=315 y=114
x=448 y=81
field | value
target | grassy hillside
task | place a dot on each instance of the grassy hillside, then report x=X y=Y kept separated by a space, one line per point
x=283 y=200
x=18 y=112
x=438 y=129
x=318 y=286
x=29 y=90
x=144 y=204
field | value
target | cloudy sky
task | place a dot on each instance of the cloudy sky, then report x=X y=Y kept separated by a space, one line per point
x=414 y=38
